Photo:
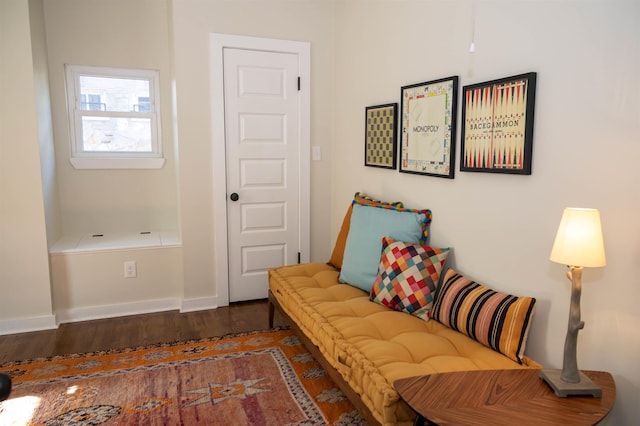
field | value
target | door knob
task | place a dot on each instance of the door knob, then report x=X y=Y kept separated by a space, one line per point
x=234 y=197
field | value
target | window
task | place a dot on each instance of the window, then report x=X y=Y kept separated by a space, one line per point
x=144 y=105
x=114 y=118
x=91 y=102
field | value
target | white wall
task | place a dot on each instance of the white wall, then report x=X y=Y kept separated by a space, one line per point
x=586 y=145
x=91 y=284
x=194 y=20
x=117 y=33
x=24 y=270
x=124 y=34
x=45 y=126
x=501 y=227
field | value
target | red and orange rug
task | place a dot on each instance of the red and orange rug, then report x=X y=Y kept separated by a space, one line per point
x=262 y=378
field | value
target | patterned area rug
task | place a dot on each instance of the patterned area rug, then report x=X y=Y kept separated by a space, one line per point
x=262 y=378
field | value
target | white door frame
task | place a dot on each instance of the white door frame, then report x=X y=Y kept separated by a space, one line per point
x=217 y=43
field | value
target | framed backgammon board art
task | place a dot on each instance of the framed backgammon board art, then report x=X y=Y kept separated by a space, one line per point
x=497 y=125
x=428 y=136
x=381 y=129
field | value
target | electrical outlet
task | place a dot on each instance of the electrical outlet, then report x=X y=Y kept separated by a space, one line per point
x=130 y=269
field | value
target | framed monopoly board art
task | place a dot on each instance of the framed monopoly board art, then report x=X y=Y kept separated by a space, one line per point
x=497 y=125
x=381 y=127
x=428 y=136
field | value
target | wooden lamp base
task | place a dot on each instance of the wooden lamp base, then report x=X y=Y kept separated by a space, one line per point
x=585 y=387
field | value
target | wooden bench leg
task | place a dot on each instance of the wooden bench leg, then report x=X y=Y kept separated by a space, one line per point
x=422 y=421
x=272 y=309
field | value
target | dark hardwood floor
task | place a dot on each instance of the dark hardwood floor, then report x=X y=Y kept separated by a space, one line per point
x=137 y=330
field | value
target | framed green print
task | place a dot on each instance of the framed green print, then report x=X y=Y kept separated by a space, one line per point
x=380 y=136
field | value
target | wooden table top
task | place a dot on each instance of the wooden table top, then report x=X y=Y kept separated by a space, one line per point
x=493 y=396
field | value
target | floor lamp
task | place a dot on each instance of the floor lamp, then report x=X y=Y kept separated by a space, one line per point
x=578 y=244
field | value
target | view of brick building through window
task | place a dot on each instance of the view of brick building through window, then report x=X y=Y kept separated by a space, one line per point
x=119 y=114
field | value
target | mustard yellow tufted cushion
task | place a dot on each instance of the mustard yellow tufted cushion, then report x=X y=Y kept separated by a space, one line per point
x=372 y=345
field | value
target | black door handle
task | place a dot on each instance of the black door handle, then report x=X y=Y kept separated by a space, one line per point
x=234 y=197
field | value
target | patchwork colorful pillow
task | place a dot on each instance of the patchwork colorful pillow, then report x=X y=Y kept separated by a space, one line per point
x=497 y=320
x=337 y=254
x=407 y=276
x=364 y=242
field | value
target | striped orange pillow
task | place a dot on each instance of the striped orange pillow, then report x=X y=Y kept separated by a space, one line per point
x=497 y=320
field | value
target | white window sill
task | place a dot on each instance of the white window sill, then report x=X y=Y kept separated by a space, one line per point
x=116 y=163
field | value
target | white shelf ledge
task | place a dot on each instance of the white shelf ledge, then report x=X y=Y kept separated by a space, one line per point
x=91 y=243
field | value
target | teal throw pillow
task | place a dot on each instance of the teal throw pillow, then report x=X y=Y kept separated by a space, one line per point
x=364 y=242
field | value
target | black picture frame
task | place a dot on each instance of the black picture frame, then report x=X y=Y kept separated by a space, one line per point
x=429 y=121
x=497 y=125
x=381 y=129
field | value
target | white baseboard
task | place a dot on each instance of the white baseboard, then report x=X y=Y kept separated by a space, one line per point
x=25 y=325
x=119 y=310
x=200 y=304
x=50 y=322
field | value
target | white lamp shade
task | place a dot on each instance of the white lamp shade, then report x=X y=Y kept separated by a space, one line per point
x=579 y=239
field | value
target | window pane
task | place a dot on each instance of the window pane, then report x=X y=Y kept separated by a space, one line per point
x=113 y=94
x=91 y=103
x=116 y=134
x=144 y=104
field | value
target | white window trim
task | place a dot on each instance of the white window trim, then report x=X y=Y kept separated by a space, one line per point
x=81 y=159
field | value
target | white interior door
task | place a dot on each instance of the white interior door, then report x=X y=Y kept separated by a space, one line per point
x=262 y=127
